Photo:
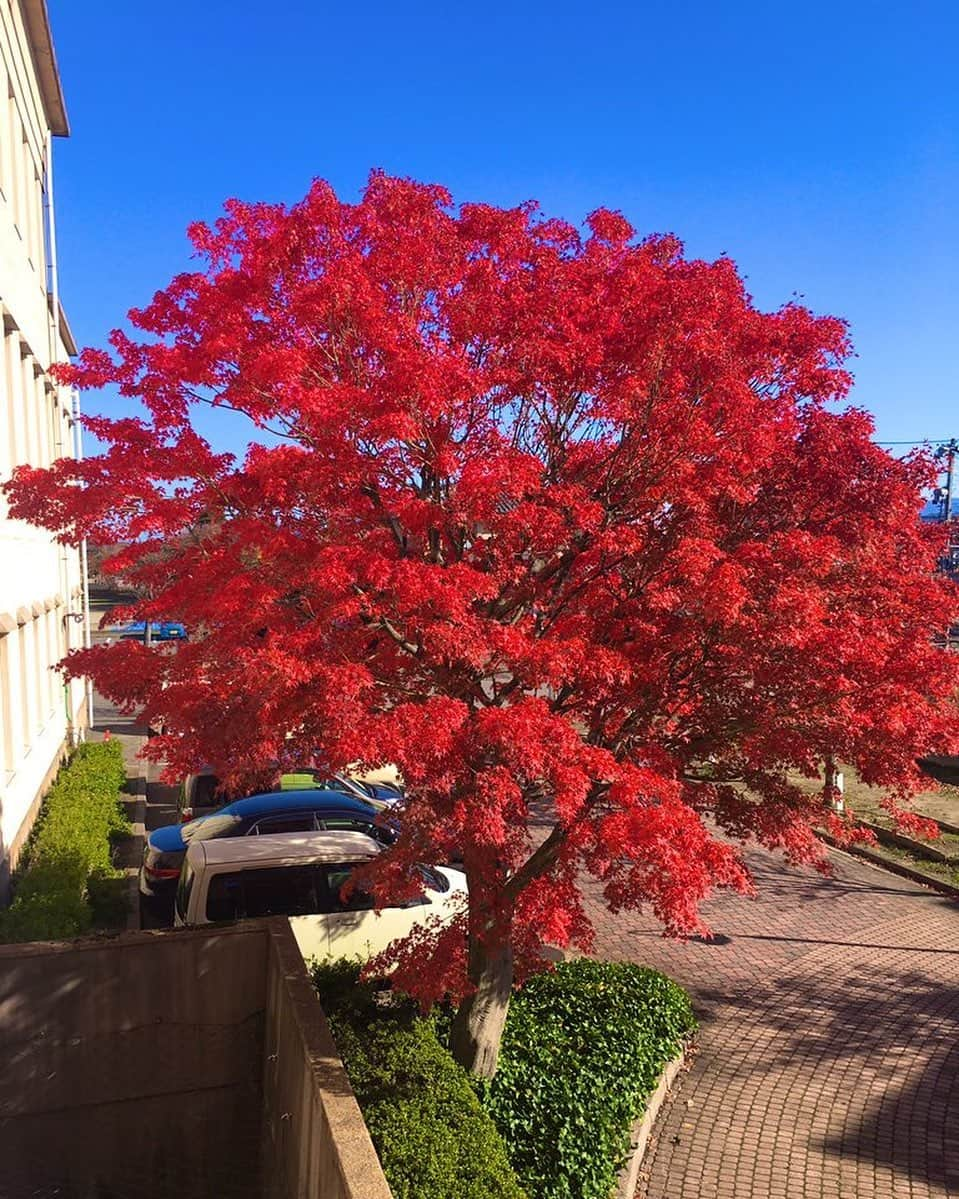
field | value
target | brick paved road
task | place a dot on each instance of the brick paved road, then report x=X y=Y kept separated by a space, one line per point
x=829 y=1063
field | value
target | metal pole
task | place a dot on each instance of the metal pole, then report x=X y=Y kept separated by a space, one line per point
x=59 y=449
x=950 y=473
x=84 y=560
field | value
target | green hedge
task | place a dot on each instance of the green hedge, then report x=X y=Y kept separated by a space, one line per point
x=66 y=881
x=433 y=1137
x=583 y=1049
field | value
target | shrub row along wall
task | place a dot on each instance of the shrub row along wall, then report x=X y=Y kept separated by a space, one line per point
x=180 y=1063
x=67 y=866
x=433 y=1137
x=583 y=1050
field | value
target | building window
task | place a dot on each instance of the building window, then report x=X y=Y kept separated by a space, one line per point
x=6 y=710
x=6 y=449
x=41 y=680
x=38 y=395
x=53 y=415
x=28 y=407
x=11 y=377
x=26 y=721
x=5 y=101
x=16 y=164
x=50 y=654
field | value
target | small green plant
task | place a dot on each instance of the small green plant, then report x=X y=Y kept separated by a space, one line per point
x=66 y=882
x=583 y=1049
x=433 y=1138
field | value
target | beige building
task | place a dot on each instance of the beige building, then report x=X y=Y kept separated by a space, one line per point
x=43 y=610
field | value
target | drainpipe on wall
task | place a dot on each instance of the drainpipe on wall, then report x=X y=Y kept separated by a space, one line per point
x=74 y=734
x=84 y=571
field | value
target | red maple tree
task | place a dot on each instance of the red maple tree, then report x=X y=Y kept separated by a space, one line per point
x=554 y=519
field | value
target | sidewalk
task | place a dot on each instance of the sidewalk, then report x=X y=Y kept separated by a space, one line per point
x=829 y=1046
x=131 y=736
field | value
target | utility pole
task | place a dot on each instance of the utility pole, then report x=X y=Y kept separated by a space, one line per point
x=949 y=450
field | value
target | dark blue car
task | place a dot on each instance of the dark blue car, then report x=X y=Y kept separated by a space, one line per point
x=272 y=812
x=160 y=630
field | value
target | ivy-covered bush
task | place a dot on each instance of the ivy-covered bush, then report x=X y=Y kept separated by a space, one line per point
x=64 y=878
x=433 y=1138
x=583 y=1049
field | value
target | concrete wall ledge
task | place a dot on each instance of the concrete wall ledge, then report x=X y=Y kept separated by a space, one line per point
x=876 y=859
x=919 y=849
x=209 y=1029
x=643 y=1127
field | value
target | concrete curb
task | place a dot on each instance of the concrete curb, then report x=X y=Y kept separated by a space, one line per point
x=136 y=774
x=875 y=859
x=919 y=849
x=643 y=1127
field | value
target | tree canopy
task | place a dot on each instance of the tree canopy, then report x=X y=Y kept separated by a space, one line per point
x=555 y=519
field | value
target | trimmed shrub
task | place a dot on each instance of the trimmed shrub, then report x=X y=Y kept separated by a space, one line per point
x=583 y=1049
x=64 y=884
x=433 y=1138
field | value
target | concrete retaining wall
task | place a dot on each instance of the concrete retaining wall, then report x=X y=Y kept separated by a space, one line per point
x=315 y=1141
x=184 y=1063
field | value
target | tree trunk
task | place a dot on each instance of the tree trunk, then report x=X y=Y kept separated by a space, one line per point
x=478 y=1025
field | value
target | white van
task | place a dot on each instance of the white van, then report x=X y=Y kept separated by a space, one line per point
x=301 y=875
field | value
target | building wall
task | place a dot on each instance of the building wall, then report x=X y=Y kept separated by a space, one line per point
x=40 y=582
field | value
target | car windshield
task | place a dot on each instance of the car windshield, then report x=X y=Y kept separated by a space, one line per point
x=206 y=828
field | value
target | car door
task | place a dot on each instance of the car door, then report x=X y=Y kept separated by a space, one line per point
x=355 y=929
x=311 y=930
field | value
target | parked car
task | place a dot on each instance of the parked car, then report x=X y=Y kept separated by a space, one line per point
x=257 y=815
x=160 y=630
x=198 y=791
x=302 y=876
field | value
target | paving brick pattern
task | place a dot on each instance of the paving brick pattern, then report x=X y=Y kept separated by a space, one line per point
x=829 y=1042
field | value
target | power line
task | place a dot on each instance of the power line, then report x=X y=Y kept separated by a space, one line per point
x=918 y=441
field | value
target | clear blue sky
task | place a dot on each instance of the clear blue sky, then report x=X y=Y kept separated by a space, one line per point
x=816 y=143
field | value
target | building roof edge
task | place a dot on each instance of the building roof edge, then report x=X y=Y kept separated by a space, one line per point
x=37 y=22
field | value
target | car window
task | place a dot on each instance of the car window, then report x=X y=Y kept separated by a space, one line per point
x=349 y=786
x=281 y=891
x=204 y=790
x=187 y=875
x=435 y=881
x=285 y=822
x=360 y=899
x=352 y=824
x=206 y=828
x=301 y=780
x=224 y=897
x=356 y=824
x=278 y=891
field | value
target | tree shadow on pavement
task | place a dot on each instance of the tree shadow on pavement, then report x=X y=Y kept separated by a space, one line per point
x=891 y=1034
